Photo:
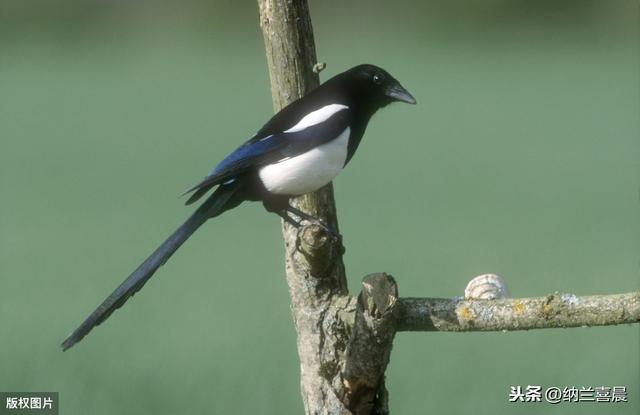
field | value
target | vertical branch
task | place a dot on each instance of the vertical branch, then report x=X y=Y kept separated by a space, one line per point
x=369 y=347
x=290 y=48
x=314 y=268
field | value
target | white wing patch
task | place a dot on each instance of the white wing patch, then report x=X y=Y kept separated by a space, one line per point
x=308 y=171
x=316 y=117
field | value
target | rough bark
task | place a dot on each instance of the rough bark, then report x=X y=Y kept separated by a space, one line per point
x=370 y=345
x=554 y=310
x=314 y=269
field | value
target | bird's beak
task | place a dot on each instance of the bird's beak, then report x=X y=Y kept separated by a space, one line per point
x=398 y=93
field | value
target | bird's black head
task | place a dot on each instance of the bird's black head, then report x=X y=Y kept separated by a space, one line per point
x=375 y=87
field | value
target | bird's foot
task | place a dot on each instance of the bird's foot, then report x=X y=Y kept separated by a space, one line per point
x=328 y=229
x=334 y=234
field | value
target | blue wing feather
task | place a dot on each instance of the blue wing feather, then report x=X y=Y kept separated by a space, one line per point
x=262 y=150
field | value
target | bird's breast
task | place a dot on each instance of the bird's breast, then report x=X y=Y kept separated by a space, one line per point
x=309 y=171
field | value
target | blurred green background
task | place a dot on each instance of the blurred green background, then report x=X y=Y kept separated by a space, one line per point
x=522 y=159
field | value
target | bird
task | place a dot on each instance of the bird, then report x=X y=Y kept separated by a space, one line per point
x=299 y=150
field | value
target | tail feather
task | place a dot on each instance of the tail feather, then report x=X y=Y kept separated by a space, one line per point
x=217 y=203
x=198 y=194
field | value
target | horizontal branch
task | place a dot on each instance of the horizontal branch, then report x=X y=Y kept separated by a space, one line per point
x=555 y=310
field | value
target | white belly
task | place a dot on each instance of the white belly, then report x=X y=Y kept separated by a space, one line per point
x=309 y=171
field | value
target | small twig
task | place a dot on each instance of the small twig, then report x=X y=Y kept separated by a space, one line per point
x=319 y=67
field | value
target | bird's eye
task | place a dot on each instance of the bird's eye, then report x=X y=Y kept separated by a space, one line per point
x=378 y=78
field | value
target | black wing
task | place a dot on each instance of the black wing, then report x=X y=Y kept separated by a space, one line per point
x=259 y=151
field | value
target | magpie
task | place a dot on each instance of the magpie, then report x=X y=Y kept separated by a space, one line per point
x=299 y=150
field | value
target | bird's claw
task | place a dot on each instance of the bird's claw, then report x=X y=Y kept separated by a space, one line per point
x=330 y=231
x=304 y=217
x=335 y=235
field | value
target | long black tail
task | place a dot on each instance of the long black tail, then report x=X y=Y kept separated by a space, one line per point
x=221 y=200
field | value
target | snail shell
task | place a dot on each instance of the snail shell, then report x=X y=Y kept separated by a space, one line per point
x=486 y=287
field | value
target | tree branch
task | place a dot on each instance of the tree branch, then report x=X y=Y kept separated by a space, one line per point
x=344 y=343
x=554 y=310
x=370 y=345
x=313 y=261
